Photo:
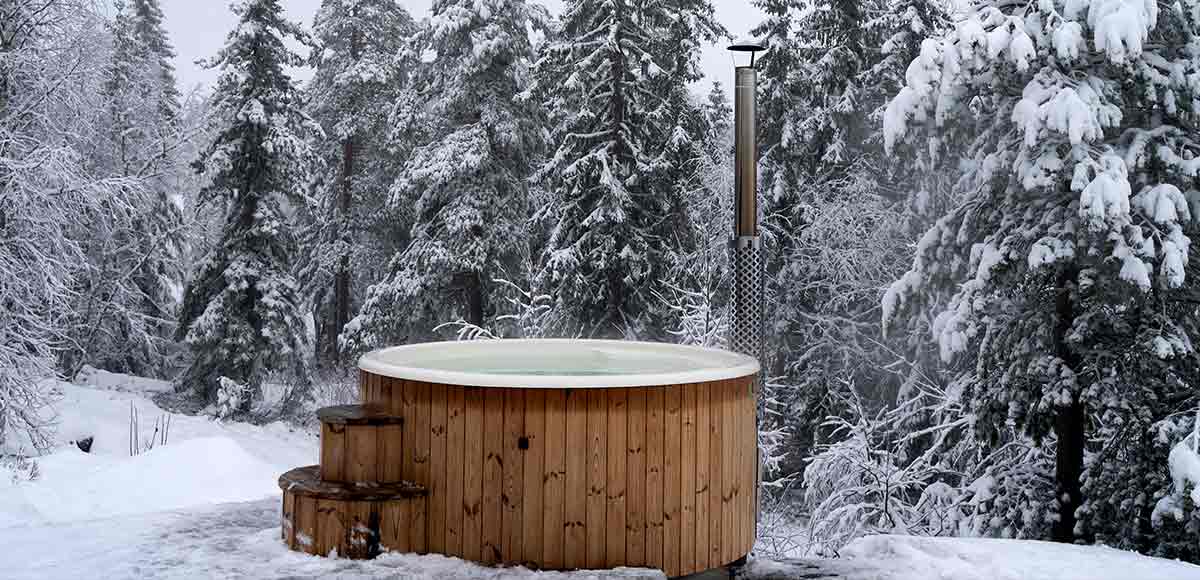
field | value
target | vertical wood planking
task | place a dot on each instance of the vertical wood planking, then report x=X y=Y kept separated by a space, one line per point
x=618 y=425
x=330 y=529
x=392 y=396
x=306 y=524
x=512 y=534
x=473 y=462
x=288 y=519
x=333 y=452
x=436 y=542
x=597 y=454
x=702 y=474
x=716 y=483
x=455 y=469
x=362 y=445
x=687 y=483
x=554 y=479
x=420 y=394
x=729 y=445
x=635 y=479
x=749 y=464
x=671 y=480
x=390 y=454
x=394 y=529
x=493 y=474
x=533 y=498
x=575 y=492
x=654 y=476
x=357 y=535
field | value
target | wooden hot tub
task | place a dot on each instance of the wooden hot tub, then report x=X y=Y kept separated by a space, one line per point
x=555 y=454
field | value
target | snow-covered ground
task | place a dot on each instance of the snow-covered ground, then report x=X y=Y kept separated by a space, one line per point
x=206 y=505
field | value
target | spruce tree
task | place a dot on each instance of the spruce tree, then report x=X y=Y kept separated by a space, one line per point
x=614 y=95
x=473 y=135
x=360 y=70
x=124 y=312
x=1060 y=285
x=242 y=311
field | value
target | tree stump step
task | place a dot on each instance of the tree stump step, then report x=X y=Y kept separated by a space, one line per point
x=361 y=443
x=353 y=520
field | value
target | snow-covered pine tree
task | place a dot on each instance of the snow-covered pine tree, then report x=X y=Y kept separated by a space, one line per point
x=474 y=135
x=47 y=194
x=609 y=86
x=834 y=236
x=1061 y=285
x=241 y=314
x=125 y=302
x=359 y=73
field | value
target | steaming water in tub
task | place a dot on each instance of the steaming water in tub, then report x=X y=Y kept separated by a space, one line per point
x=526 y=360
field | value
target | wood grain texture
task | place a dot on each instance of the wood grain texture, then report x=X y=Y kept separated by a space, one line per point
x=556 y=478
x=493 y=474
x=436 y=518
x=617 y=452
x=333 y=452
x=672 y=476
x=455 y=468
x=512 y=534
x=635 y=480
x=533 y=500
x=655 y=420
x=473 y=462
x=597 y=475
x=575 y=493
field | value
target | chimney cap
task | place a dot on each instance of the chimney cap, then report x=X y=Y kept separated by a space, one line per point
x=747 y=44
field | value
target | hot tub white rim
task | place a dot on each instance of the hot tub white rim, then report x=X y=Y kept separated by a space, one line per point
x=740 y=366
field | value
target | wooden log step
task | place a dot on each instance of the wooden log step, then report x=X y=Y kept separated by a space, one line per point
x=351 y=520
x=361 y=443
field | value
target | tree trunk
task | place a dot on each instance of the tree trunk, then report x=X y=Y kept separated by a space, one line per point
x=473 y=290
x=341 y=279
x=1070 y=422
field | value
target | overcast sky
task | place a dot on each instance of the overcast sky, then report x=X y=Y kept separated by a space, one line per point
x=198 y=29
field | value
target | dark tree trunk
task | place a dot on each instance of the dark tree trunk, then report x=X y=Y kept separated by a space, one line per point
x=341 y=279
x=473 y=291
x=1070 y=422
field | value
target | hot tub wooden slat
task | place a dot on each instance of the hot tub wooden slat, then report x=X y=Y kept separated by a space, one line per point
x=635 y=479
x=333 y=452
x=575 y=491
x=617 y=429
x=700 y=490
x=362 y=447
x=687 y=487
x=437 y=469
x=455 y=482
x=473 y=474
x=420 y=395
x=717 y=474
x=534 y=469
x=597 y=476
x=729 y=451
x=512 y=534
x=671 y=481
x=655 y=422
x=493 y=474
x=554 y=479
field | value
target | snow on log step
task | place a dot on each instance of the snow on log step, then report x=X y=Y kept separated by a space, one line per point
x=361 y=443
x=352 y=520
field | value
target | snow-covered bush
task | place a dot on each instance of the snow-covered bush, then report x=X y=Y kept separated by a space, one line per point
x=232 y=397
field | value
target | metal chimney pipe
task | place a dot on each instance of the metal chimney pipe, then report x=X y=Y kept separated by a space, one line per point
x=746 y=244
